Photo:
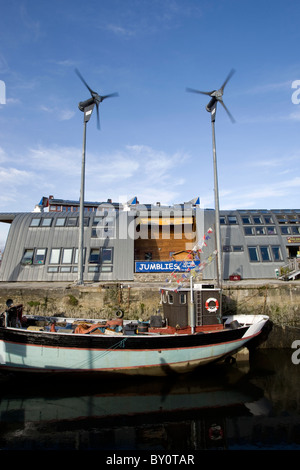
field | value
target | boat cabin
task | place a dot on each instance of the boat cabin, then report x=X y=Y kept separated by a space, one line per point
x=206 y=300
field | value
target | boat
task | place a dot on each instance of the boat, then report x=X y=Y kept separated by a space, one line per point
x=191 y=332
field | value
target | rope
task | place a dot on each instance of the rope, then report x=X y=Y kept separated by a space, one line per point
x=120 y=344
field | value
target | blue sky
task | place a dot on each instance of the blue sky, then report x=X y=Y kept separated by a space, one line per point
x=155 y=139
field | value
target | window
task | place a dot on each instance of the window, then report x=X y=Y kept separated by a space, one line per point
x=27 y=257
x=54 y=256
x=35 y=222
x=65 y=269
x=76 y=256
x=246 y=220
x=93 y=269
x=40 y=255
x=106 y=269
x=222 y=220
x=72 y=221
x=276 y=253
x=60 y=222
x=227 y=248
x=249 y=230
x=46 y=222
x=170 y=298
x=268 y=219
x=232 y=219
x=256 y=220
x=285 y=230
x=52 y=269
x=260 y=230
x=253 y=255
x=182 y=299
x=67 y=256
x=107 y=255
x=265 y=254
x=237 y=248
x=94 y=255
x=295 y=230
x=271 y=230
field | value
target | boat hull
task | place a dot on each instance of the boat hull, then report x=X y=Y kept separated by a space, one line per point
x=155 y=355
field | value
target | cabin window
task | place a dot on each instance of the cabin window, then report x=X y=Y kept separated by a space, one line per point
x=265 y=253
x=54 y=256
x=170 y=299
x=40 y=255
x=27 y=257
x=253 y=255
x=182 y=299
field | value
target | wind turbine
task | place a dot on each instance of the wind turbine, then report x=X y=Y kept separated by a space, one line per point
x=211 y=107
x=86 y=107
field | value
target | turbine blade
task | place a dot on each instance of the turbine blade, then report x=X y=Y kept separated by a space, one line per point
x=227 y=79
x=111 y=95
x=230 y=115
x=98 y=117
x=83 y=80
x=191 y=90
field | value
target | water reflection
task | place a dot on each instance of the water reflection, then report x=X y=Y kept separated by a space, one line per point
x=226 y=407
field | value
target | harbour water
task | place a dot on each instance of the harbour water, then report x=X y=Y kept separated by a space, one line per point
x=251 y=405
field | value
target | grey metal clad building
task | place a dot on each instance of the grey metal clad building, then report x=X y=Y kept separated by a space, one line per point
x=43 y=246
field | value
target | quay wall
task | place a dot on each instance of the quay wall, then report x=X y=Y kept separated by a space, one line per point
x=139 y=300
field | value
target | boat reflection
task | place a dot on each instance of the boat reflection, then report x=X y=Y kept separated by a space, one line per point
x=186 y=413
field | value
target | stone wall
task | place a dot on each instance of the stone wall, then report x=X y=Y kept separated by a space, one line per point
x=281 y=301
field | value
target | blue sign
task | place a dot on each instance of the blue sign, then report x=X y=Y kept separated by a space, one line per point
x=164 y=266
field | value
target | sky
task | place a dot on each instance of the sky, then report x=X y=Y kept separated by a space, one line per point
x=155 y=140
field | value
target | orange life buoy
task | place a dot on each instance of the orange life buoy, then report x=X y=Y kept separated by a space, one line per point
x=212 y=308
